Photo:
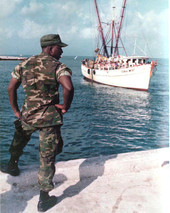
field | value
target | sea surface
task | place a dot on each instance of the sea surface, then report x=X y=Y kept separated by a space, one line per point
x=102 y=120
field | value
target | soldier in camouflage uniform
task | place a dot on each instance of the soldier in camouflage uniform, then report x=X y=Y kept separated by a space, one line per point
x=40 y=77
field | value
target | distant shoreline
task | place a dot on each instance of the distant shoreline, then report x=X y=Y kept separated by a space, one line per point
x=12 y=58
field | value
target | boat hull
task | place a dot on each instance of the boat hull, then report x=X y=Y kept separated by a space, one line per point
x=137 y=77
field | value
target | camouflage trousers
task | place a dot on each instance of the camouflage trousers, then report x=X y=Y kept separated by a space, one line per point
x=50 y=144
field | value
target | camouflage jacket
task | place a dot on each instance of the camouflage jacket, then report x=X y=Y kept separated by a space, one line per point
x=39 y=77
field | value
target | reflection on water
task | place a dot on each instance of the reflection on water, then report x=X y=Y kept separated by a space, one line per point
x=103 y=120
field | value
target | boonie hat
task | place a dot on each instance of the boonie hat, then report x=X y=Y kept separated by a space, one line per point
x=51 y=39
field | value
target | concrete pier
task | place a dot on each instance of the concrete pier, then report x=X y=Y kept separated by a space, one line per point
x=12 y=58
x=137 y=182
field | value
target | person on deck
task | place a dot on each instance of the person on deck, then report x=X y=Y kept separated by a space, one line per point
x=40 y=77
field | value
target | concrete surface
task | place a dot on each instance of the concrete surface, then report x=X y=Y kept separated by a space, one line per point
x=137 y=182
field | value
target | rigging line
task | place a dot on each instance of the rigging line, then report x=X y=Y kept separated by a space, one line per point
x=141 y=50
x=132 y=43
x=121 y=42
x=115 y=31
x=108 y=33
x=137 y=46
x=108 y=42
x=123 y=46
x=98 y=40
x=142 y=32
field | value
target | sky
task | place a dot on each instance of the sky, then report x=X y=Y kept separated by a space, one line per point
x=22 y=23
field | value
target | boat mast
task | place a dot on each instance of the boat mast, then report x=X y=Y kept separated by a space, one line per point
x=111 y=49
x=113 y=31
x=101 y=31
x=116 y=52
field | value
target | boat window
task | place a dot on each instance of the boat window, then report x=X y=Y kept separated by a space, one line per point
x=88 y=71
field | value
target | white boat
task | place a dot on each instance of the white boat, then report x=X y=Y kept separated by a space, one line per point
x=133 y=72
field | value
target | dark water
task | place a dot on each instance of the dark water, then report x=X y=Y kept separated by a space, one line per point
x=103 y=120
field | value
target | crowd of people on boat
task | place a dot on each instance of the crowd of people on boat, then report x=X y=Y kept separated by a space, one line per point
x=113 y=62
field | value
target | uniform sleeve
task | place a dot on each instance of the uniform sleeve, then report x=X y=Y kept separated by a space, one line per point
x=63 y=70
x=16 y=73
